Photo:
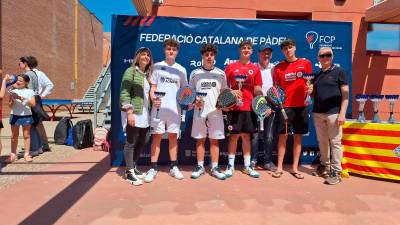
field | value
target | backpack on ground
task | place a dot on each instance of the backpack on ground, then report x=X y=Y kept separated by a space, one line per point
x=100 y=139
x=83 y=134
x=62 y=131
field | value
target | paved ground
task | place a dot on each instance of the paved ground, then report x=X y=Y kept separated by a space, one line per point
x=81 y=188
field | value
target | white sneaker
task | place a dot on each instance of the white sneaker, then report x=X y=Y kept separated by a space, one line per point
x=150 y=175
x=131 y=178
x=175 y=172
x=198 y=172
x=229 y=171
x=216 y=172
x=251 y=172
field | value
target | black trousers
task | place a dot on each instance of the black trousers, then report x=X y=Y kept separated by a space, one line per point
x=136 y=139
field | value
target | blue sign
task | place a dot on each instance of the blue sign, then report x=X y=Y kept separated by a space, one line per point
x=131 y=32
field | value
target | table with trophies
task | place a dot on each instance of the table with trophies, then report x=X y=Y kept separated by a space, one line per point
x=372 y=147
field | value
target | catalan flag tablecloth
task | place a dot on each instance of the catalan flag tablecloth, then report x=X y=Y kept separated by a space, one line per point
x=371 y=149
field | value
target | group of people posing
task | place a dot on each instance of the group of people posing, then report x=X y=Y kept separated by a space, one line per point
x=145 y=110
x=23 y=92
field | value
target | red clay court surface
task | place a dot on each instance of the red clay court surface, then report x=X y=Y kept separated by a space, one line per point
x=83 y=189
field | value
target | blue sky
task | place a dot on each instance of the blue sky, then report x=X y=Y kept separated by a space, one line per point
x=103 y=9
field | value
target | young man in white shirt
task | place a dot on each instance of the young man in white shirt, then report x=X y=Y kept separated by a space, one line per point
x=271 y=122
x=207 y=119
x=168 y=77
x=45 y=88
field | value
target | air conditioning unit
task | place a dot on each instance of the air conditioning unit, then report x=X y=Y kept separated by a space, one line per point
x=158 y=2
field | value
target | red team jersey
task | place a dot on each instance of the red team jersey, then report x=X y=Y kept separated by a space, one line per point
x=253 y=79
x=289 y=76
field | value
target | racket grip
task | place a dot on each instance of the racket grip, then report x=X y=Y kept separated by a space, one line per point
x=261 y=125
x=284 y=114
x=157 y=118
x=183 y=115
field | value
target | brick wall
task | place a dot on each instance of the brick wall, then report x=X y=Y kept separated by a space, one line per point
x=45 y=29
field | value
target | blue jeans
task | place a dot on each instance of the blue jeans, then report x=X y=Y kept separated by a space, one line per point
x=267 y=138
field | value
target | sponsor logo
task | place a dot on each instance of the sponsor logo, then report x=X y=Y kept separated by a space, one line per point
x=299 y=74
x=168 y=80
x=290 y=76
x=208 y=84
x=321 y=40
x=251 y=72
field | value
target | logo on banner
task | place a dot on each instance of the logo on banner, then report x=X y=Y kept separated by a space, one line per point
x=311 y=37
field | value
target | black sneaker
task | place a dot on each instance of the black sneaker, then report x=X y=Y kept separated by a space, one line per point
x=139 y=174
x=131 y=178
x=321 y=171
x=333 y=179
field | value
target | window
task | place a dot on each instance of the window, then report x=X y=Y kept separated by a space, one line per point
x=383 y=37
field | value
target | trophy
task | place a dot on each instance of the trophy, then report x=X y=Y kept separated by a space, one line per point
x=376 y=99
x=158 y=94
x=391 y=99
x=361 y=99
x=201 y=95
x=308 y=78
x=240 y=79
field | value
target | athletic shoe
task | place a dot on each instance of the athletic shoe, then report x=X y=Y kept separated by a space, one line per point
x=198 y=172
x=321 y=171
x=270 y=166
x=216 y=172
x=333 y=179
x=229 y=171
x=131 y=178
x=251 y=172
x=139 y=173
x=150 y=175
x=253 y=164
x=175 y=172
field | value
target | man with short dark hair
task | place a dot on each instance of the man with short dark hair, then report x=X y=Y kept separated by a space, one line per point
x=288 y=74
x=207 y=119
x=243 y=120
x=168 y=76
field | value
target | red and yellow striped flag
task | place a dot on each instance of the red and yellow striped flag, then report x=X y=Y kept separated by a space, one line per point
x=370 y=149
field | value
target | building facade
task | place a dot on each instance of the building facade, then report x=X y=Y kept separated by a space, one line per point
x=373 y=72
x=46 y=29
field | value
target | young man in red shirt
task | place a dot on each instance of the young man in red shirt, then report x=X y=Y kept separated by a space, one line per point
x=242 y=119
x=288 y=74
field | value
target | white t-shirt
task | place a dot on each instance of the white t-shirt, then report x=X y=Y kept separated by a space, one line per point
x=266 y=75
x=210 y=82
x=22 y=108
x=45 y=84
x=142 y=120
x=169 y=78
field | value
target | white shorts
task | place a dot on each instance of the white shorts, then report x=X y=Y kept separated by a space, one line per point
x=212 y=126
x=169 y=124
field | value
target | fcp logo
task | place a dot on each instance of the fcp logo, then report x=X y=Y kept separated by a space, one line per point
x=311 y=37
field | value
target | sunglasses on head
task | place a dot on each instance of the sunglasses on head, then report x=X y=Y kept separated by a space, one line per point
x=326 y=55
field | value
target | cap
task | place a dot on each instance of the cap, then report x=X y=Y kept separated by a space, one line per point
x=263 y=47
x=142 y=49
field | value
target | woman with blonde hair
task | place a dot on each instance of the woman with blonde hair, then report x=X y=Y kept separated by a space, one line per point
x=135 y=101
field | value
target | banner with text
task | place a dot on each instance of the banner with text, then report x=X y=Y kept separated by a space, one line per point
x=132 y=32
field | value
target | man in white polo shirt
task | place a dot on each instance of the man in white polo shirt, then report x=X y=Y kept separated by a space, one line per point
x=271 y=122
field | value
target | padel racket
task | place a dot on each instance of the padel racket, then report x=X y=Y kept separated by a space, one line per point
x=226 y=99
x=261 y=108
x=185 y=96
x=200 y=95
x=158 y=94
x=277 y=97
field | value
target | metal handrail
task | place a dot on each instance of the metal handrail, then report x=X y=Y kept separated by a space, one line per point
x=102 y=86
